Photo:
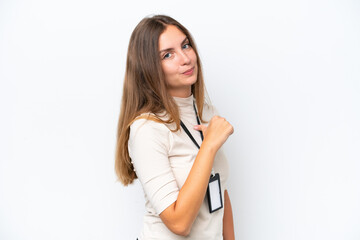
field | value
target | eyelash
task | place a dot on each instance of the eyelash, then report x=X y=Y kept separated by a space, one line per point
x=183 y=47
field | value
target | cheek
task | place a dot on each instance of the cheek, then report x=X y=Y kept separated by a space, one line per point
x=168 y=68
x=193 y=57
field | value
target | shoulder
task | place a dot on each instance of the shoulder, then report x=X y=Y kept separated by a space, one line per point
x=146 y=129
x=148 y=122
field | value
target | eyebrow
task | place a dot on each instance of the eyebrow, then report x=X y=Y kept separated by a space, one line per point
x=170 y=49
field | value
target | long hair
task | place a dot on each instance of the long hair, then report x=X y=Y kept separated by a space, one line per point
x=145 y=89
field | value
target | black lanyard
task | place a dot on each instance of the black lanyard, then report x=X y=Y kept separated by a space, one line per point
x=188 y=132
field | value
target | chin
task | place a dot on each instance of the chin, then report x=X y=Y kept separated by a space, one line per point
x=192 y=80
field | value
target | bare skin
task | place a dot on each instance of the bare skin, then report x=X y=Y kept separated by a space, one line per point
x=228 y=222
x=178 y=62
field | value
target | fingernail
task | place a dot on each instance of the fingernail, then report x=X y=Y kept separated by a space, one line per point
x=196 y=127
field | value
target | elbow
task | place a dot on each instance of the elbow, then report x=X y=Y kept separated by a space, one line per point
x=179 y=224
x=182 y=230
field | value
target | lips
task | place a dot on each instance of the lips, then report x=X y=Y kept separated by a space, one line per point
x=189 y=71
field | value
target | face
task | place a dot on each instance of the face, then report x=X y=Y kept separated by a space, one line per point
x=178 y=61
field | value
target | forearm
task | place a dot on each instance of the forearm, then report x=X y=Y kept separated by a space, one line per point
x=228 y=222
x=183 y=212
x=193 y=192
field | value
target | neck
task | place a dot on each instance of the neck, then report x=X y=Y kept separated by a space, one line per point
x=183 y=93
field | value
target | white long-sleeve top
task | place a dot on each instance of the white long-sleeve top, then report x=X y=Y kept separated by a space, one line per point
x=162 y=161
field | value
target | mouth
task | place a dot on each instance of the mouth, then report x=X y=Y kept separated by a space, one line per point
x=189 y=71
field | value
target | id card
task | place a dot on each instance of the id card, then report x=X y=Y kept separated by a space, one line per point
x=214 y=193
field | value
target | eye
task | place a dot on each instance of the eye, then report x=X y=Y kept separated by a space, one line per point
x=167 y=55
x=186 y=46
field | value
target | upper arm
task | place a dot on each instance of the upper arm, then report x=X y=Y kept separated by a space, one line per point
x=149 y=144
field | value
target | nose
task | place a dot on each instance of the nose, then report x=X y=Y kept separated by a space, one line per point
x=185 y=60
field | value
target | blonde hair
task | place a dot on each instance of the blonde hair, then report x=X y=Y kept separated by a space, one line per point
x=145 y=89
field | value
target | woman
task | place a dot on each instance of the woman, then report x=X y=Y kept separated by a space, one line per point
x=160 y=133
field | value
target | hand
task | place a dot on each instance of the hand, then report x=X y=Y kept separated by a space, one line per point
x=217 y=132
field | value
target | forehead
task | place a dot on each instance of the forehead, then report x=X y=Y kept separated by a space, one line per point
x=171 y=37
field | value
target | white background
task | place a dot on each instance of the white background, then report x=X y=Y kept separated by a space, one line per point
x=285 y=73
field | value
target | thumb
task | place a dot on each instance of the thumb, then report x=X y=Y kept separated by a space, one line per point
x=200 y=127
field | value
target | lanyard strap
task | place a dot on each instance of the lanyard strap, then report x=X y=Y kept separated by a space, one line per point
x=198 y=122
x=188 y=132
x=192 y=138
